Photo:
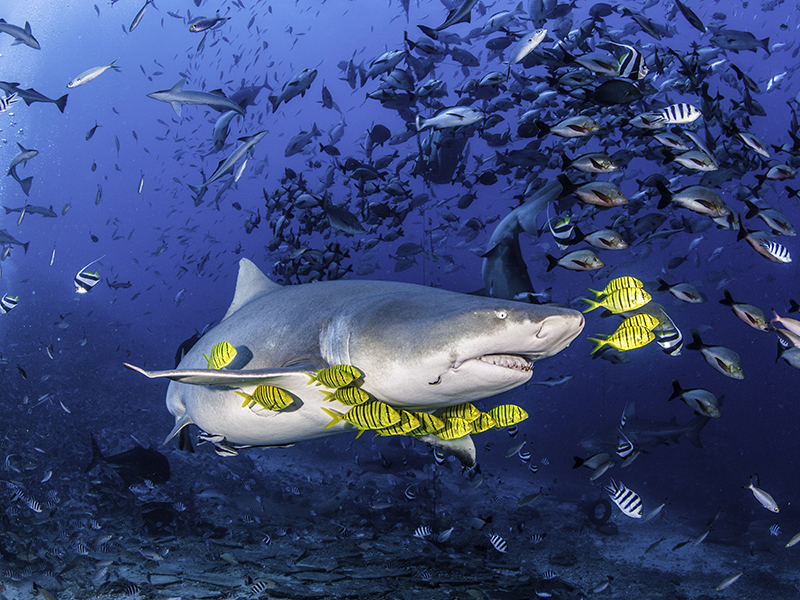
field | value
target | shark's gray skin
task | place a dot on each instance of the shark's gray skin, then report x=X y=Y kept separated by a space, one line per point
x=34 y=210
x=226 y=165
x=7 y=238
x=177 y=97
x=419 y=348
x=644 y=433
x=21 y=35
x=30 y=95
x=504 y=272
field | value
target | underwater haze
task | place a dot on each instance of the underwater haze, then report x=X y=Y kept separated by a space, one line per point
x=519 y=155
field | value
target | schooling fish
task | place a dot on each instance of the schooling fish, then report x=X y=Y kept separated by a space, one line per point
x=721 y=359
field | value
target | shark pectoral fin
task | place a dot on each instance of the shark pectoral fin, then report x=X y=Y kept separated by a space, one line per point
x=282 y=377
x=179 y=424
x=176 y=106
x=462 y=448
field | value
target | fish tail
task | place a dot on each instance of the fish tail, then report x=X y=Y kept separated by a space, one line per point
x=247 y=397
x=61 y=103
x=337 y=417
x=696 y=343
x=97 y=456
x=693 y=429
x=677 y=390
x=600 y=344
x=328 y=396
x=207 y=359
x=552 y=262
x=25 y=245
x=728 y=300
x=592 y=303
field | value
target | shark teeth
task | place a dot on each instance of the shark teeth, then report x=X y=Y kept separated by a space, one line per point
x=509 y=361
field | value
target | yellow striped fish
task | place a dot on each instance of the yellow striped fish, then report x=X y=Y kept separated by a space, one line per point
x=640 y=320
x=464 y=411
x=625 y=338
x=409 y=423
x=370 y=415
x=484 y=422
x=268 y=397
x=428 y=424
x=507 y=415
x=337 y=376
x=349 y=396
x=222 y=355
x=618 y=284
x=454 y=428
x=621 y=300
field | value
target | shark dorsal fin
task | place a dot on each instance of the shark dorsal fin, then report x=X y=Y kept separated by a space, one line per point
x=178 y=86
x=250 y=283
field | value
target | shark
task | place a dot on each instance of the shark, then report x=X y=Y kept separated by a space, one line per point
x=644 y=433
x=460 y=14
x=177 y=97
x=21 y=35
x=418 y=348
x=504 y=272
x=226 y=165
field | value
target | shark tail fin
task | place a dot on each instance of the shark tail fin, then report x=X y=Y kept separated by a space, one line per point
x=336 y=416
x=26 y=184
x=693 y=429
x=197 y=189
x=25 y=246
x=275 y=102
x=97 y=456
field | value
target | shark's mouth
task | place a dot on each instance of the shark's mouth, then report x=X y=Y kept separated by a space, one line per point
x=508 y=361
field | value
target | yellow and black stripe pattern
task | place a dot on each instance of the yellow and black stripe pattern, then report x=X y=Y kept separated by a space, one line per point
x=618 y=284
x=268 y=397
x=620 y=301
x=222 y=354
x=641 y=320
x=507 y=415
x=349 y=396
x=336 y=376
x=625 y=338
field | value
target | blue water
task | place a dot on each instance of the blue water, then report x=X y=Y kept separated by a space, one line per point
x=157 y=238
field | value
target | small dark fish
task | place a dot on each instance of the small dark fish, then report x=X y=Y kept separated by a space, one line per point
x=22 y=372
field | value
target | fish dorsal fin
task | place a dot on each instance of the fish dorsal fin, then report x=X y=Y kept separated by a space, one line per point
x=27 y=28
x=178 y=86
x=250 y=283
x=218 y=92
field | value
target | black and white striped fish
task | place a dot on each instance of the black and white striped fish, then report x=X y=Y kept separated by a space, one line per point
x=678 y=114
x=778 y=252
x=499 y=543
x=7 y=101
x=631 y=65
x=534 y=467
x=627 y=500
x=422 y=532
x=410 y=492
x=549 y=575
x=7 y=303
x=624 y=445
x=85 y=280
x=258 y=588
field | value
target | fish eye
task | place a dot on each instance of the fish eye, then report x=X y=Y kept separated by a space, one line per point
x=501 y=314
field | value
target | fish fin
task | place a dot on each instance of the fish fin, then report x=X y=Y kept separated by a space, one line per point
x=592 y=303
x=696 y=343
x=677 y=390
x=250 y=283
x=728 y=300
x=178 y=86
x=179 y=425
x=285 y=378
x=97 y=456
x=552 y=262
x=600 y=344
x=693 y=429
x=26 y=184
x=176 y=106
x=462 y=448
x=61 y=103
x=336 y=416
x=429 y=31
x=663 y=286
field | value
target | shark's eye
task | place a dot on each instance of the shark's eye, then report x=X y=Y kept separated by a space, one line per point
x=501 y=314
